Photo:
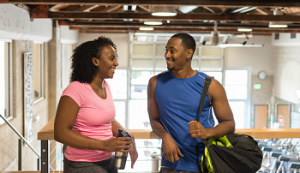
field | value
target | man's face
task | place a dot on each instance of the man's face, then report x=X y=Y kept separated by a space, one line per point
x=175 y=54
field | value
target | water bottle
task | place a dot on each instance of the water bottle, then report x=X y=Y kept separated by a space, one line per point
x=121 y=157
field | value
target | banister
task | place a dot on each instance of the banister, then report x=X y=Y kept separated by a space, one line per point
x=47 y=133
x=16 y=131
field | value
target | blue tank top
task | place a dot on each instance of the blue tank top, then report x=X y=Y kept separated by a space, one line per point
x=178 y=103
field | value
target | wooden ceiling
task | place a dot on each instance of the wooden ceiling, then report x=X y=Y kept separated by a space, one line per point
x=122 y=16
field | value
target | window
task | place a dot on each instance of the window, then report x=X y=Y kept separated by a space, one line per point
x=6 y=80
x=66 y=64
x=293 y=35
x=38 y=72
x=118 y=86
x=237 y=86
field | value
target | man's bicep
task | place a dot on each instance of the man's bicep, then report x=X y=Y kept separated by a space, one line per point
x=220 y=102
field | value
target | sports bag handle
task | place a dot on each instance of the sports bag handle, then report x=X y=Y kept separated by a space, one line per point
x=207 y=82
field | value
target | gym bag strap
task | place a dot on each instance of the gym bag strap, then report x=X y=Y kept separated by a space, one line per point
x=232 y=153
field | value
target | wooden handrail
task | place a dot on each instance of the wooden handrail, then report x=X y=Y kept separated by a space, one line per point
x=47 y=133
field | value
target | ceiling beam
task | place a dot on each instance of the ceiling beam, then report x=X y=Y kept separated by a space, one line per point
x=264 y=11
x=179 y=17
x=209 y=3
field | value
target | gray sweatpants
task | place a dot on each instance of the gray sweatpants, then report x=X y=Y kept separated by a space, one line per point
x=105 y=166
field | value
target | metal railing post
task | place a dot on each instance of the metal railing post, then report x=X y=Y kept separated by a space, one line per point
x=38 y=164
x=45 y=154
x=20 y=154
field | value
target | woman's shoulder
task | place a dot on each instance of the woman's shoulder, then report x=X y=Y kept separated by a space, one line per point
x=76 y=85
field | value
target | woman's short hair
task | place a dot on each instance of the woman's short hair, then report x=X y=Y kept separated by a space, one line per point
x=83 y=69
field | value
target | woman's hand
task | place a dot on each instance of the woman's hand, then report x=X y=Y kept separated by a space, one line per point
x=133 y=153
x=118 y=144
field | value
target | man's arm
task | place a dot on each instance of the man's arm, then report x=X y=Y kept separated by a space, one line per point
x=223 y=114
x=170 y=148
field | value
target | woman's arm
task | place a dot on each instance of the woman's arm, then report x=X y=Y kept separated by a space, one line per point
x=115 y=125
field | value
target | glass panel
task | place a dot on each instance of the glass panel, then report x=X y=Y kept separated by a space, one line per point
x=211 y=64
x=160 y=64
x=211 y=51
x=160 y=49
x=138 y=115
x=195 y=64
x=236 y=92
x=139 y=92
x=142 y=49
x=118 y=84
x=231 y=77
x=163 y=38
x=37 y=71
x=141 y=77
x=238 y=110
x=216 y=75
x=143 y=38
x=3 y=79
x=196 y=52
x=142 y=64
x=120 y=112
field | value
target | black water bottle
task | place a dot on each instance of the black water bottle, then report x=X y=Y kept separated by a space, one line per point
x=121 y=157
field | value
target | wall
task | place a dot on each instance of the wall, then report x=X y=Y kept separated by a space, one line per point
x=120 y=40
x=16 y=24
x=258 y=58
x=8 y=139
x=287 y=70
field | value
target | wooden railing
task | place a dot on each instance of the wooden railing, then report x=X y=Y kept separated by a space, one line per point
x=47 y=133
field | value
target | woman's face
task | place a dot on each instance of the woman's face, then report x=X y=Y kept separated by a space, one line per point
x=107 y=62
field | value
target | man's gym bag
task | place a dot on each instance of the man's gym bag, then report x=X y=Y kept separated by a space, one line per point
x=232 y=153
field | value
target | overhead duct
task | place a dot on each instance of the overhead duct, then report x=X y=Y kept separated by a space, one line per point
x=278 y=24
x=215 y=34
x=187 y=9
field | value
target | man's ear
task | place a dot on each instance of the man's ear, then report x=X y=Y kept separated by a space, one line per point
x=95 y=61
x=189 y=53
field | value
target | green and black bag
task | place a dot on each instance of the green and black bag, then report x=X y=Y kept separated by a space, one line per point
x=232 y=153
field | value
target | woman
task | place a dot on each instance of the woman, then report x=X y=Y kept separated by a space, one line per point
x=85 y=113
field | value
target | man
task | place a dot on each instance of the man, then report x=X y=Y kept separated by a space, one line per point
x=173 y=105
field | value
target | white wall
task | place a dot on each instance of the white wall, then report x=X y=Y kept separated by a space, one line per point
x=15 y=24
x=287 y=70
x=286 y=40
x=121 y=41
x=258 y=58
x=68 y=36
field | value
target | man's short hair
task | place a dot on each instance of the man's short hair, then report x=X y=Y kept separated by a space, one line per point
x=187 y=41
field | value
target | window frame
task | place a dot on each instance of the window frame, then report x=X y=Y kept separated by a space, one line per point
x=8 y=59
x=41 y=74
x=247 y=101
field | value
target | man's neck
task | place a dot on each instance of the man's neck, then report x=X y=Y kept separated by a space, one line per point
x=184 y=73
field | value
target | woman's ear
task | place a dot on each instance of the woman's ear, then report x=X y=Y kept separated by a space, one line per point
x=95 y=61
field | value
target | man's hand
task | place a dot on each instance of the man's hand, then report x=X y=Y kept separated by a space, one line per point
x=171 y=149
x=133 y=153
x=197 y=130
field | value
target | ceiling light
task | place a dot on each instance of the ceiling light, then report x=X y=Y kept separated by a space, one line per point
x=153 y=23
x=163 y=11
x=273 y=24
x=146 y=28
x=277 y=25
x=244 y=30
